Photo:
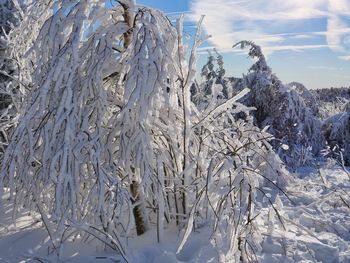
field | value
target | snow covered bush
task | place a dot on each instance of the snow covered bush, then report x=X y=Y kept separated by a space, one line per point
x=9 y=18
x=331 y=101
x=297 y=132
x=309 y=99
x=240 y=162
x=110 y=145
x=14 y=79
x=337 y=133
x=11 y=14
x=328 y=109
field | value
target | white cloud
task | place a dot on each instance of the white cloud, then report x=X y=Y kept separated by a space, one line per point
x=267 y=22
x=295 y=47
x=347 y=58
x=340 y=7
x=337 y=24
x=325 y=67
x=266 y=50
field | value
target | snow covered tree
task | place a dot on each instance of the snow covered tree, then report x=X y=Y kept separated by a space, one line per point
x=308 y=98
x=212 y=72
x=10 y=17
x=220 y=77
x=297 y=131
x=59 y=143
x=110 y=144
x=209 y=74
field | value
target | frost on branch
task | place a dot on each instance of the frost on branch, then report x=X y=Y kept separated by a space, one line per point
x=308 y=98
x=108 y=130
x=58 y=162
x=286 y=113
x=9 y=19
x=20 y=23
x=154 y=125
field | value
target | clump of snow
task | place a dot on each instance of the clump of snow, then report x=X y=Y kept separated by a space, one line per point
x=285 y=147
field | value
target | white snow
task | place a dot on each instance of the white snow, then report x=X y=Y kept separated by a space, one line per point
x=94 y=155
x=285 y=147
x=315 y=216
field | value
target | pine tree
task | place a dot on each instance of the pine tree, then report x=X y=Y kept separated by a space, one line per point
x=212 y=73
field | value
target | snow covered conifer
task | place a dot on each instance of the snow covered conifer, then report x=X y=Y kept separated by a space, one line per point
x=212 y=73
x=209 y=74
x=281 y=108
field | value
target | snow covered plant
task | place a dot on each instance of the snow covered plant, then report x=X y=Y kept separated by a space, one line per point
x=110 y=144
x=337 y=133
x=58 y=162
x=211 y=74
x=20 y=22
x=297 y=131
x=309 y=99
x=9 y=19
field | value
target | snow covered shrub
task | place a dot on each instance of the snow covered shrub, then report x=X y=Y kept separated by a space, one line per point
x=110 y=141
x=235 y=161
x=297 y=132
x=9 y=18
x=337 y=133
x=331 y=101
x=328 y=109
x=308 y=98
x=15 y=39
x=347 y=107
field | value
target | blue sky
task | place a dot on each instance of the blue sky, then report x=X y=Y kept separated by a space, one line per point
x=304 y=40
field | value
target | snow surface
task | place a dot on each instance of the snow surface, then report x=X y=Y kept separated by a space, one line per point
x=315 y=216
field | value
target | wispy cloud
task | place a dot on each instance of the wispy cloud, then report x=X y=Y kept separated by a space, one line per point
x=267 y=49
x=347 y=58
x=275 y=24
x=326 y=68
x=337 y=22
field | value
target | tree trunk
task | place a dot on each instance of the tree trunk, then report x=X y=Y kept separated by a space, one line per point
x=138 y=209
x=129 y=19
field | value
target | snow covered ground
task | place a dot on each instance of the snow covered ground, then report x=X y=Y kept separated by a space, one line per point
x=314 y=226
